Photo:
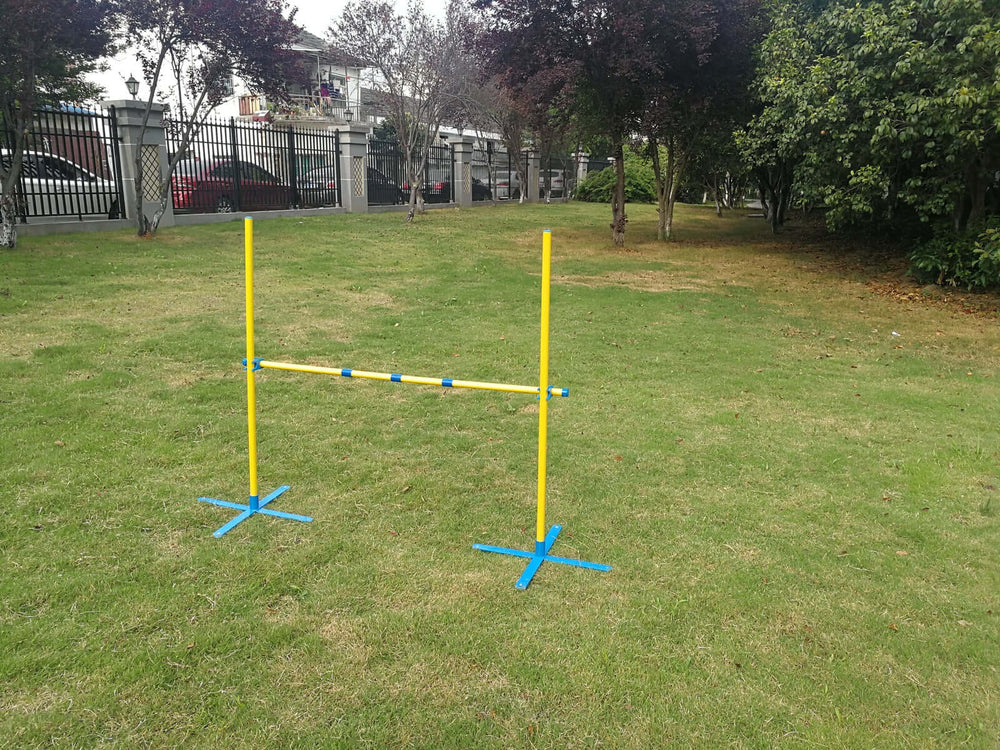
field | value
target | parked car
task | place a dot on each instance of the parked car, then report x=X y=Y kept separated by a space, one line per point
x=52 y=185
x=440 y=191
x=383 y=190
x=224 y=186
x=508 y=184
x=318 y=187
x=557 y=182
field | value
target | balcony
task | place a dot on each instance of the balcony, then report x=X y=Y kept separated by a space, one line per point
x=299 y=108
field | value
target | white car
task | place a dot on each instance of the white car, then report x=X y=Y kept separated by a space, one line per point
x=52 y=185
x=508 y=186
x=558 y=182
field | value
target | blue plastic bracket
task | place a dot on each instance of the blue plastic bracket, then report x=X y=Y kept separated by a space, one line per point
x=346 y=373
x=539 y=556
x=256 y=363
x=396 y=377
x=253 y=506
x=447 y=382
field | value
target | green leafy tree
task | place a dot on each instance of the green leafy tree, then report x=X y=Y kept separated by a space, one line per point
x=886 y=109
x=47 y=47
x=774 y=141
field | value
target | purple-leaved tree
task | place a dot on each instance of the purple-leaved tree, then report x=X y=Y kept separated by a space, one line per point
x=608 y=61
x=46 y=49
x=199 y=45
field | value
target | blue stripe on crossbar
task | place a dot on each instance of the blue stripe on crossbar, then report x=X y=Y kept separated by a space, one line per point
x=446 y=382
x=396 y=378
x=346 y=373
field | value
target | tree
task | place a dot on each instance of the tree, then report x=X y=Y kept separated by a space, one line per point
x=46 y=49
x=200 y=45
x=773 y=140
x=702 y=101
x=888 y=109
x=417 y=62
x=606 y=59
x=482 y=102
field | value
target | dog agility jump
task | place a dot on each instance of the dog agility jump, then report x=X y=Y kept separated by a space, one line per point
x=544 y=539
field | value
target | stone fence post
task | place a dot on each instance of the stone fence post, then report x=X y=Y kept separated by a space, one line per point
x=354 y=168
x=530 y=190
x=154 y=157
x=462 y=149
x=582 y=167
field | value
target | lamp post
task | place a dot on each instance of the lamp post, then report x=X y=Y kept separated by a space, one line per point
x=132 y=85
x=348 y=115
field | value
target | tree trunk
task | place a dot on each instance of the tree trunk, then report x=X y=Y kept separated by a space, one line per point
x=676 y=162
x=973 y=200
x=775 y=184
x=618 y=217
x=8 y=222
x=17 y=120
x=661 y=189
x=142 y=224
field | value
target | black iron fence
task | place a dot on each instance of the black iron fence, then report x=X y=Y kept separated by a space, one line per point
x=237 y=166
x=387 y=180
x=498 y=170
x=385 y=173
x=484 y=173
x=557 y=176
x=71 y=165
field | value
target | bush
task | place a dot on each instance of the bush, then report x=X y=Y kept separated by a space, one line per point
x=970 y=258
x=640 y=186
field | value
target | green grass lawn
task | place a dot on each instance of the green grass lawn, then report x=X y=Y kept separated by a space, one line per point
x=789 y=456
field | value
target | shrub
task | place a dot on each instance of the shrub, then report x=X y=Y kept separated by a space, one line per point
x=970 y=258
x=639 y=182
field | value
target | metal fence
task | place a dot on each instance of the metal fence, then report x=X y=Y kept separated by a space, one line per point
x=236 y=166
x=71 y=166
x=484 y=173
x=387 y=181
x=497 y=171
x=557 y=176
x=385 y=173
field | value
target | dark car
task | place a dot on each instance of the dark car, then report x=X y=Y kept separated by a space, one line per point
x=318 y=187
x=440 y=192
x=383 y=190
x=224 y=186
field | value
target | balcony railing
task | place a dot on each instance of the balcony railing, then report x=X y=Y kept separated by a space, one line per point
x=301 y=107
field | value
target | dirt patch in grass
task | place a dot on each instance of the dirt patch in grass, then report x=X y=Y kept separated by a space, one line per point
x=644 y=281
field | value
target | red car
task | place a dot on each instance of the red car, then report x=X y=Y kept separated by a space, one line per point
x=224 y=186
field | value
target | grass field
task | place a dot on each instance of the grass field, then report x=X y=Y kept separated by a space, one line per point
x=788 y=454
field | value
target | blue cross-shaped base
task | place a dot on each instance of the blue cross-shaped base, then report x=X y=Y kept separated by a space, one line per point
x=254 y=505
x=540 y=555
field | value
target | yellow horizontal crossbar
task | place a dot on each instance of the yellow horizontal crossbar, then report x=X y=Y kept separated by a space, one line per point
x=398 y=378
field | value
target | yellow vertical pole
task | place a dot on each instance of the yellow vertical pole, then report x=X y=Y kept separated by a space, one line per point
x=251 y=395
x=543 y=403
